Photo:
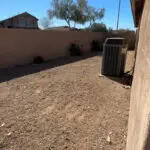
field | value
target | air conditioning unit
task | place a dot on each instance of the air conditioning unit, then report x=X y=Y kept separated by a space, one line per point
x=114 y=56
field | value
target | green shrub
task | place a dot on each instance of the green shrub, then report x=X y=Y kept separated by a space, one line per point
x=96 y=46
x=75 y=50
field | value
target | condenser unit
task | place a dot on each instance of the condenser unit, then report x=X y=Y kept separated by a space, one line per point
x=114 y=56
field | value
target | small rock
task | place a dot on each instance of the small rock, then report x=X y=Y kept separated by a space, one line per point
x=37 y=91
x=119 y=112
x=10 y=133
x=110 y=133
x=2 y=124
x=108 y=139
x=127 y=87
x=100 y=75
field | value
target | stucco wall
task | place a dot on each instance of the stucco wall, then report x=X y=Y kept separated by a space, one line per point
x=139 y=119
x=18 y=47
x=130 y=37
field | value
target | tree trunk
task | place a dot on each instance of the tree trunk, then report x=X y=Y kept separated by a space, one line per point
x=74 y=24
x=90 y=24
x=68 y=22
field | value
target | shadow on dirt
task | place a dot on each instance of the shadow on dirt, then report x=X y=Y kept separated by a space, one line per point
x=15 y=72
x=126 y=79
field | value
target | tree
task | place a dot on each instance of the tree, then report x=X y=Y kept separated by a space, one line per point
x=94 y=14
x=62 y=9
x=82 y=3
x=99 y=27
x=79 y=12
x=78 y=16
x=45 y=23
x=110 y=30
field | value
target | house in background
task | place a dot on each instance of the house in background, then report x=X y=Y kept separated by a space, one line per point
x=23 y=20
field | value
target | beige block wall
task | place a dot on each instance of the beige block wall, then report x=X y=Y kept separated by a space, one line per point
x=18 y=46
x=139 y=119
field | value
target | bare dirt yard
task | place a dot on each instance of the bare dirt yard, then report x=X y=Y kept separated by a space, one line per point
x=63 y=105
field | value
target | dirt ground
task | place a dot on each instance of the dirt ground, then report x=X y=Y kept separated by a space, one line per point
x=63 y=105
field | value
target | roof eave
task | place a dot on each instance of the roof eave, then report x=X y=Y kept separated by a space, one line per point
x=137 y=9
x=17 y=16
x=133 y=13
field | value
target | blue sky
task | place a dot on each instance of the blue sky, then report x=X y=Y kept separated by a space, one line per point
x=39 y=9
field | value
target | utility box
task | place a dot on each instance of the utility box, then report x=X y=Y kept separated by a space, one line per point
x=114 y=56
